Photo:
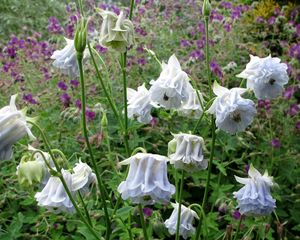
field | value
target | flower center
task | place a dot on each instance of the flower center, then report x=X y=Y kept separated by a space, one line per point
x=236 y=116
x=166 y=98
x=272 y=81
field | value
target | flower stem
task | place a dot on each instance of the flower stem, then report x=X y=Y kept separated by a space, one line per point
x=143 y=222
x=238 y=228
x=85 y=132
x=179 y=206
x=85 y=209
x=63 y=181
x=207 y=59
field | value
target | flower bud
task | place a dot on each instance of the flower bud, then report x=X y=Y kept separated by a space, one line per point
x=30 y=172
x=206 y=8
x=104 y=121
x=80 y=37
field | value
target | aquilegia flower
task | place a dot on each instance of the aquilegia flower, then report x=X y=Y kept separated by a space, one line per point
x=82 y=177
x=170 y=90
x=255 y=197
x=66 y=59
x=147 y=181
x=192 y=107
x=265 y=76
x=233 y=113
x=116 y=32
x=13 y=127
x=54 y=196
x=187 y=216
x=186 y=152
x=139 y=104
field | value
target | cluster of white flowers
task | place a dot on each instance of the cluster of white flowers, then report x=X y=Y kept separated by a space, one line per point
x=14 y=126
x=54 y=196
x=171 y=90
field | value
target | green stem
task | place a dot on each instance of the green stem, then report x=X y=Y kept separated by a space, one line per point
x=106 y=93
x=143 y=222
x=138 y=149
x=179 y=206
x=85 y=209
x=238 y=229
x=64 y=182
x=85 y=132
x=207 y=60
x=131 y=9
x=126 y=136
x=202 y=213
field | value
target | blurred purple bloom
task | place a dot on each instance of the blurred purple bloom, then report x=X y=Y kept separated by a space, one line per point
x=54 y=26
x=289 y=92
x=236 y=215
x=142 y=61
x=74 y=83
x=197 y=55
x=271 y=20
x=201 y=27
x=260 y=20
x=62 y=86
x=275 y=143
x=90 y=115
x=184 y=43
x=227 y=27
x=29 y=99
x=100 y=49
x=147 y=212
x=295 y=51
x=247 y=167
x=297 y=125
x=294 y=109
x=141 y=31
x=115 y=9
x=65 y=99
x=226 y=5
x=215 y=68
x=78 y=103
x=215 y=15
x=153 y=122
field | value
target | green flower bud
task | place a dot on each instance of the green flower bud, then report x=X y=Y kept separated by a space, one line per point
x=30 y=172
x=80 y=37
x=104 y=121
x=172 y=146
x=206 y=8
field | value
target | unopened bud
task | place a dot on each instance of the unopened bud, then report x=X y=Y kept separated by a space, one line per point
x=80 y=37
x=206 y=8
x=104 y=120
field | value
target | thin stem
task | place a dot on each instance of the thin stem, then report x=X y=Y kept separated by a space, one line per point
x=63 y=181
x=106 y=93
x=131 y=9
x=179 y=206
x=207 y=60
x=138 y=149
x=238 y=229
x=85 y=209
x=143 y=222
x=85 y=132
x=123 y=66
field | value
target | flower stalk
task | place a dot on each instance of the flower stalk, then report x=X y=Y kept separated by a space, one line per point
x=179 y=206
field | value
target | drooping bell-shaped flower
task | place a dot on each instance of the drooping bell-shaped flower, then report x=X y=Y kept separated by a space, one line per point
x=233 y=113
x=171 y=89
x=13 y=127
x=66 y=59
x=139 y=104
x=186 y=152
x=187 y=216
x=265 y=76
x=192 y=108
x=54 y=196
x=116 y=32
x=147 y=181
x=255 y=198
x=82 y=177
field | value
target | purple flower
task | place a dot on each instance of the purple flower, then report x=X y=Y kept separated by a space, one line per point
x=226 y=5
x=215 y=15
x=65 y=99
x=215 y=68
x=153 y=122
x=297 y=125
x=260 y=20
x=295 y=51
x=90 y=115
x=147 y=212
x=100 y=49
x=294 y=109
x=74 y=83
x=78 y=104
x=201 y=27
x=184 y=43
x=197 y=55
x=54 y=26
x=62 y=86
x=289 y=92
x=271 y=20
x=29 y=99
x=227 y=27
x=247 y=167
x=236 y=215
x=275 y=143
x=142 y=61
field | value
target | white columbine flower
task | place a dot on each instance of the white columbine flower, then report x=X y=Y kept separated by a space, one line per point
x=192 y=107
x=255 y=197
x=187 y=216
x=116 y=32
x=265 y=76
x=82 y=177
x=66 y=59
x=170 y=90
x=186 y=152
x=147 y=181
x=139 y=104
x=54 y=195
x=13 y=127
x=233 y=113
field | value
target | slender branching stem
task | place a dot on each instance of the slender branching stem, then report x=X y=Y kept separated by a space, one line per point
x=179 y=205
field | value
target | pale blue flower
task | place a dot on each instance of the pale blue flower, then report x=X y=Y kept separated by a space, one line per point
x=255 y=198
